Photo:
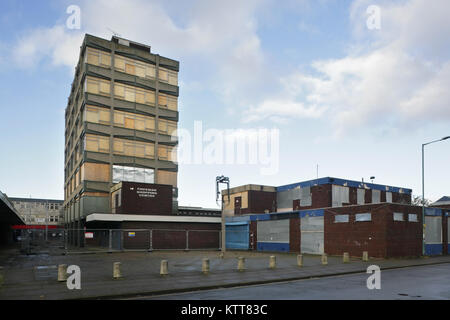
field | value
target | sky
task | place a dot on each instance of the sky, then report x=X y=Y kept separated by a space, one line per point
x=352 y=89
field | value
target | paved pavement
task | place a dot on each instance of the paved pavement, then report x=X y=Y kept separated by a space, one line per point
x=431 y=282
x=35 y=276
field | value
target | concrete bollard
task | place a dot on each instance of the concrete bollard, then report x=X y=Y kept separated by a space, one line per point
x=241 y=264
x=324 y=259
x=62 y=272
x=365 y=256
x=272 y=262
x=116 y=270
x=346 y=257
x=164 y=271
x=300 y=260
x=221 y=255
x=205 y=265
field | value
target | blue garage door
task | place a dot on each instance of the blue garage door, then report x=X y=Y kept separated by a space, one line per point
x=237 y=235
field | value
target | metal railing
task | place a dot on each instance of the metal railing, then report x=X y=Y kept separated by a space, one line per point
x=110 y=240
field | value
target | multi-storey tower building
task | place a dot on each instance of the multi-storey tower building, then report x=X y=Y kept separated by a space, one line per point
x=120 y=120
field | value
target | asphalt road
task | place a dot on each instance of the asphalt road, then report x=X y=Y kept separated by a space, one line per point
x=418 y=283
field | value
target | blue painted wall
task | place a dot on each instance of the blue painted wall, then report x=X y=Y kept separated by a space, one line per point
x=433 y=249
x=237 y=235
x=272 y=246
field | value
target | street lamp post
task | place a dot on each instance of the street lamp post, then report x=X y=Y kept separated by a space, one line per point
x=423 y=189
x=225 y=180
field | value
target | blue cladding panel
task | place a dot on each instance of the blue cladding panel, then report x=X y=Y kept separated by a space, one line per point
x=312 y=213
x=273 y=246
x=433 y=212
x=433 y=249
x=341 y=182
x=237 y=236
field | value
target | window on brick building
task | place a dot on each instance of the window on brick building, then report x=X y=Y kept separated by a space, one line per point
x=341 y=218
x=363 y=217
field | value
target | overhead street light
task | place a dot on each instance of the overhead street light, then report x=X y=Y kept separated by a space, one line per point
x=224 y=180
x=423 y=188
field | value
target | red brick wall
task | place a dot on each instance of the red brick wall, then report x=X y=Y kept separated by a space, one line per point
x=404 y=238
x=381 y=237
x=355 y=237
x=259 y=201
x=294 y=235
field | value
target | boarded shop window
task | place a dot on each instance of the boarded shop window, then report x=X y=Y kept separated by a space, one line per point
x=398 y=216
x=412 y=217
x=341 y=218
x=363 y=217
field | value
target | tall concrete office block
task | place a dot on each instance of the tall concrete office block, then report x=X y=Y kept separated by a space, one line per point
x=120 y=122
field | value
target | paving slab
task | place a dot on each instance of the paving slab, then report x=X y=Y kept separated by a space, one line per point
x=32 y=277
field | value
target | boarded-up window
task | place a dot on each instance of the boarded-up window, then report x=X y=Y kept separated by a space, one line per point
x=162 y=152
x=389 y=197
x=398 y=216
x=376 y=196
x=163 y=75
x=167 y=177
x=339 y=195
x=433 y=230
x=361 y=193
x=95 y=172
x=341 y=218
x=98 y=57
x=98 y=86
x=363 y=217
x=134 y=148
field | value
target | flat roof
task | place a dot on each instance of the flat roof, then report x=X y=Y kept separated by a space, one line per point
x=344 y=182
x=148 y=218
x=36 y=200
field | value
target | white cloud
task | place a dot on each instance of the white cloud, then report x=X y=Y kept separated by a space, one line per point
x=58 y=44
x=220 y=34
x=391 y=77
